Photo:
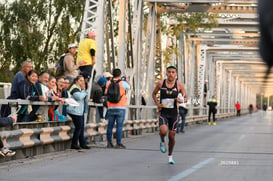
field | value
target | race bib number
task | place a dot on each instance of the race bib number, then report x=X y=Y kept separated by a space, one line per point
x=168 y=103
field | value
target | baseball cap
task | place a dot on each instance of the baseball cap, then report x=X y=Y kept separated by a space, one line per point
x=107 y=74
x=71 y=45
x=172 y=66
x=102 y=81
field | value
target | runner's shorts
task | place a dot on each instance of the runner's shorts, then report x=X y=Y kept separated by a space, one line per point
x=171 y=120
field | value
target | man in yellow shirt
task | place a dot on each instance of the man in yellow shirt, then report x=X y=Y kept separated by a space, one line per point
x=86 y=52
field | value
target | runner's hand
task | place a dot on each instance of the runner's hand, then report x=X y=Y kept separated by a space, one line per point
x=159 y=107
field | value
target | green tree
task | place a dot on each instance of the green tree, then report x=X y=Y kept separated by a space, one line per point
x=186 y=22
x=37 y=30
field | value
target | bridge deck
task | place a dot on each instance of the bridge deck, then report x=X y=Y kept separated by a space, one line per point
x=236 y=149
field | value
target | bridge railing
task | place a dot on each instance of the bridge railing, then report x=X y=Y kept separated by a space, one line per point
x=33 y=138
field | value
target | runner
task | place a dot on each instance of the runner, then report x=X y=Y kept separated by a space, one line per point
x=168 y=108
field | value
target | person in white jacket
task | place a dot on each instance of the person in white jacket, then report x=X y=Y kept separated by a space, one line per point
x=183 y=110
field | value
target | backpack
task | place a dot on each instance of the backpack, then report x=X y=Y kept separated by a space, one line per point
x=60 y=66
x=113 y=93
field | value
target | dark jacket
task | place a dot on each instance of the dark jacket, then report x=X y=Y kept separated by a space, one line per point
x=266 y=29
x=212 y=103
x=6 y=121
x=27 y=91
x=96 y=93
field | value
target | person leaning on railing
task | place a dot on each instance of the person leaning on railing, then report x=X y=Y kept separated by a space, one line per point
x=27 y=90
x=52 y=96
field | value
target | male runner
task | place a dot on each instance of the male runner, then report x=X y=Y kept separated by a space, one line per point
x=168 y=108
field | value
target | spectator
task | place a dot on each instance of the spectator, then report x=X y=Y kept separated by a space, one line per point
x=19 y=77
x=183 y=110
x=52 y=96
x=78 y=92
x=69 y=62
x=116 y=111
x=41 y=87
x=41 y=83
x=27 y=90
x=250 y=108
x=6 y=121
x=238 y=108
x=205 y=93
x=143 y=101
x=65 y=94
x=60 y=85
x=212 y=103
x=86 y=52
x=107 y=75
x=97 y=93
x=264 y=107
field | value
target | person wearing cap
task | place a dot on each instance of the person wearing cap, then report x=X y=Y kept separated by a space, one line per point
x=69 y=62
x=97 y=93
x=107 y=75
x=86 y=52
x=168 y=108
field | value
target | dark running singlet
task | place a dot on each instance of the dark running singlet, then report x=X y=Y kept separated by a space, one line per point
x=169 y=112
x=168 y=98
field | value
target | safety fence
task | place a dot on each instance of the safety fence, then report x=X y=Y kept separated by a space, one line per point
x=34 y=138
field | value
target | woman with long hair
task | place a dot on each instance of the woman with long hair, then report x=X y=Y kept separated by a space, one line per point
x=78 y=92
x=27 y=90
x=52 y=97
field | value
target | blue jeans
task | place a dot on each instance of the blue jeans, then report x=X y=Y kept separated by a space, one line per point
x=100 y=110
x=79 y=130
x=182 y=113
x=118 y=116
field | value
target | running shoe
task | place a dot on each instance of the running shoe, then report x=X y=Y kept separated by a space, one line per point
x=120 y=146
x=171 y=162
x=214 y=123
x=7 y=152
x=110 y=145
x=163 y=147
x=209 y=123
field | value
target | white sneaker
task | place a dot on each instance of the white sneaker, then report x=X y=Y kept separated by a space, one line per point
x=7 y=152
x=171 y=161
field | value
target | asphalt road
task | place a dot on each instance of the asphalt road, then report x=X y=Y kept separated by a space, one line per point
x=237 y=149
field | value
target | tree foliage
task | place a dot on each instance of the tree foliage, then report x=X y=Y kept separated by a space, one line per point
x=37 y=30
x=185 y=22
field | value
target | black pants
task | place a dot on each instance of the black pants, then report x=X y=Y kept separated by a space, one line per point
x=78 y=135
x=86 y=70
x=238 y=112
x=213 y=115
x=1 y=144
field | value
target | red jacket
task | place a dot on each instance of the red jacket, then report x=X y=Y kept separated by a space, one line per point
x=238 y=106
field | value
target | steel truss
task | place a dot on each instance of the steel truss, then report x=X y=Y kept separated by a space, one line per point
x=198 y=59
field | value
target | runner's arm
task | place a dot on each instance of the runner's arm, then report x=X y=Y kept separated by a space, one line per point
x=157 y=88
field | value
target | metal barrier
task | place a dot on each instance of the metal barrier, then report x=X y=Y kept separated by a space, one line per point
x=5 y=89
x=33 y=138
